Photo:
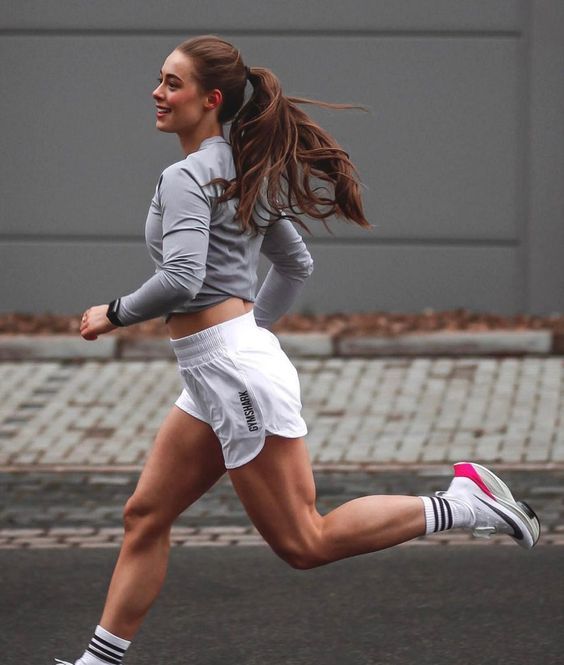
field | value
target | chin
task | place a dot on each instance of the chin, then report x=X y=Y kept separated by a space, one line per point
x=166 y=130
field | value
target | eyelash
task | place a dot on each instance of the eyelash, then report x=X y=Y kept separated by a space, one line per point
x=170 y=85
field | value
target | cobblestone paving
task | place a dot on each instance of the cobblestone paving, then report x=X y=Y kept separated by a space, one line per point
x=362 y=414
x=392 y=410
x=44 y=509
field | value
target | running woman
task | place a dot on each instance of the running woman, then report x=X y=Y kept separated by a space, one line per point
x=211 y=215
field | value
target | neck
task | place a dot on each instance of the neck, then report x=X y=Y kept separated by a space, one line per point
x=191 y=142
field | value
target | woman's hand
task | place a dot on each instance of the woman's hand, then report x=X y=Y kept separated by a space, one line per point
x=94 y=322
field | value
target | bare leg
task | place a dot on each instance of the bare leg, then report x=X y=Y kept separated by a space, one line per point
x=278 y=491
x=185 y=462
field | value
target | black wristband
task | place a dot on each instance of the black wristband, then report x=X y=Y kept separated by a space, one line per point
x=111 y=314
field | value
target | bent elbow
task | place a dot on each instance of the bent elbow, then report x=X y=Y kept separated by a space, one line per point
x=304 y=266
x=190 y=289
x=194 y=289
x=182 y=285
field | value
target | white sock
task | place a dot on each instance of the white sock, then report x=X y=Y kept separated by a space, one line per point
x=442 y=514
x=104 y=649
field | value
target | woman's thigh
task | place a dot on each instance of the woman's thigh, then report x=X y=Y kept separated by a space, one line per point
x=185 y=461
x=277 y=489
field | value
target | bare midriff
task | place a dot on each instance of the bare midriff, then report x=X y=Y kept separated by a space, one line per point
x=181 y=325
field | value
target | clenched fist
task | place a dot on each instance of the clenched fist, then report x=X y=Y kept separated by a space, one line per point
x=94 y=322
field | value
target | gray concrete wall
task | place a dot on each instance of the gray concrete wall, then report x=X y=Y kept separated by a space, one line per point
x=460 y=158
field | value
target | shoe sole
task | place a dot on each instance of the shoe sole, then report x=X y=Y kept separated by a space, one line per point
x=497 y=490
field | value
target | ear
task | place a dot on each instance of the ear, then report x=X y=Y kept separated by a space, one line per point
x=214 y=99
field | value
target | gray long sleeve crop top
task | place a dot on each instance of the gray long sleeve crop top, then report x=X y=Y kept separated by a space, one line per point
x=200 y=256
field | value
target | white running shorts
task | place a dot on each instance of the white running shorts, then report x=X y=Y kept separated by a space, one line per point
x=238 y=380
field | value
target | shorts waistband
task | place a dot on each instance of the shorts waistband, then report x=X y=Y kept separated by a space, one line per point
x=204 y=345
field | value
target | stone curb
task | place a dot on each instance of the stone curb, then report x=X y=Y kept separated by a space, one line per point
x=56 y=347
x=317 y=345
x=145 y=348
x=297 y=345
x=459 y=343
x=59 y=538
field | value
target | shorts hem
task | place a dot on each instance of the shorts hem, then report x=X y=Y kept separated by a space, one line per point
x=249 y=458
x=192 y=412
x=287 y=433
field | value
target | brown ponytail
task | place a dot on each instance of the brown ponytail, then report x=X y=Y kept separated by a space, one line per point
x=274 y=140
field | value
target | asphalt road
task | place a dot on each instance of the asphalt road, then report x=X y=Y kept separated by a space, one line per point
x=244 y=606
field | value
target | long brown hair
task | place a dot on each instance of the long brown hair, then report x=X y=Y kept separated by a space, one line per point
x=274 y=143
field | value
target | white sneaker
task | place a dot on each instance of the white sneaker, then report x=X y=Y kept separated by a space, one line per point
x=62 y=662
x=492 y=504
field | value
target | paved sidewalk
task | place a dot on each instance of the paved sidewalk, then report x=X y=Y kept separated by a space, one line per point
x=84 y=509
x=359 y=412
x=73 y=437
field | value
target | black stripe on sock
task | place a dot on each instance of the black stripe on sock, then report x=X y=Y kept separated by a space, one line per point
x=435 y=512
x=449 y=511
x=108 y=650
x=443 y=515
x=108 y=644
x=97 y=651
x=443 y=512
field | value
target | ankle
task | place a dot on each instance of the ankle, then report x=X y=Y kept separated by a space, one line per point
x=104 y=648
x=444 y=513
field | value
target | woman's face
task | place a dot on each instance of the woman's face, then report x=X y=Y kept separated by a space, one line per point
x=180 y=104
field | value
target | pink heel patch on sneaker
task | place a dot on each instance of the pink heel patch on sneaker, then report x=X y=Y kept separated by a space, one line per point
x=466 y=470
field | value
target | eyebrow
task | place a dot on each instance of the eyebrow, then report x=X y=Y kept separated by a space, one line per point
x=170 y=75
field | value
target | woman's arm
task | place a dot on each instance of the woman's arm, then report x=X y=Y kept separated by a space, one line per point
x=186 y=213
x=291 y=266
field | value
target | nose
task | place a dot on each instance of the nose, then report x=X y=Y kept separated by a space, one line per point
x=157 y=92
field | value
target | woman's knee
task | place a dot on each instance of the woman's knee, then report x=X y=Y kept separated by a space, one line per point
x=142 y=518
x=300 y=553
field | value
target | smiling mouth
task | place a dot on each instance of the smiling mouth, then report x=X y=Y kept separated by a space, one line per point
x=161 y=110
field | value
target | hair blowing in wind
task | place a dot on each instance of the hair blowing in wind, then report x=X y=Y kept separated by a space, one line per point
x=273 y=141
